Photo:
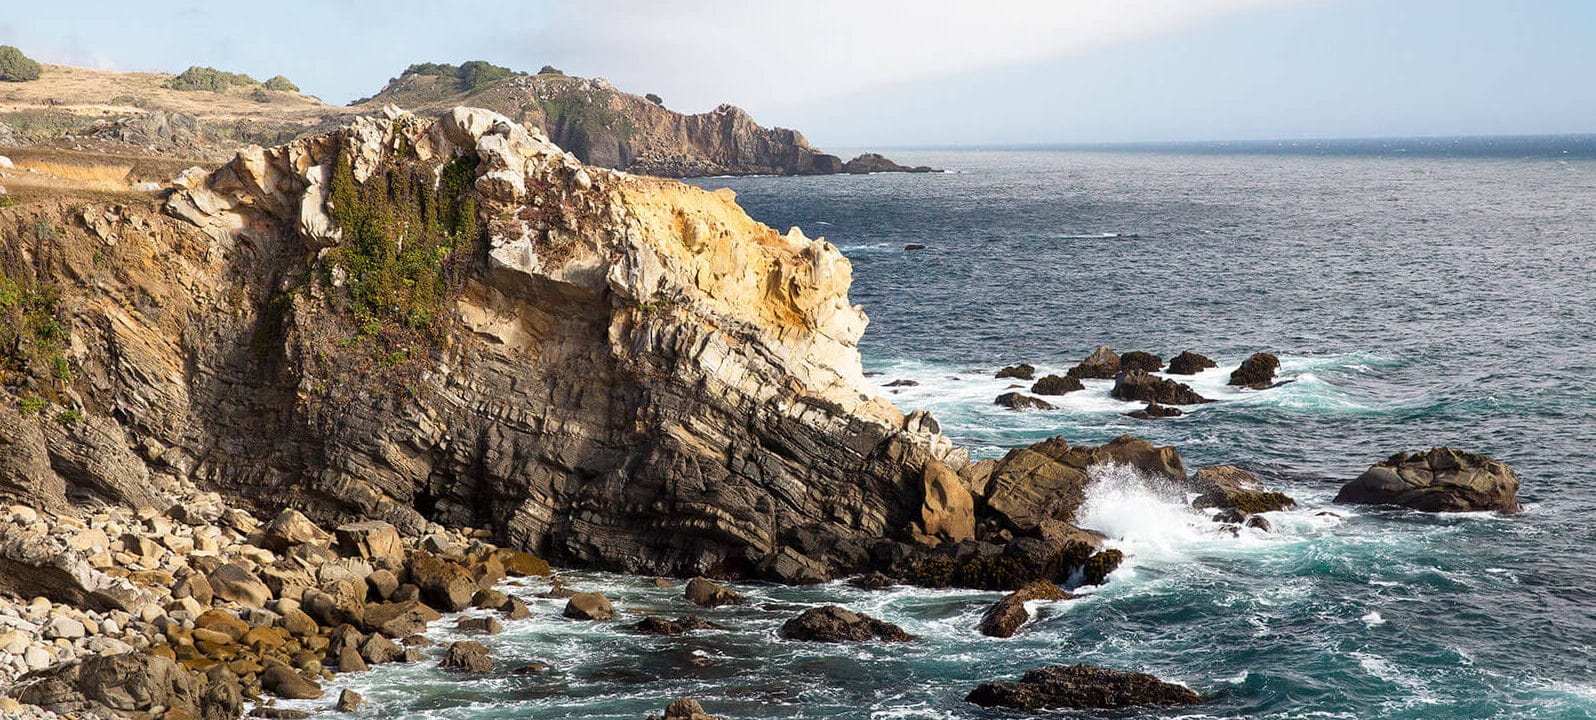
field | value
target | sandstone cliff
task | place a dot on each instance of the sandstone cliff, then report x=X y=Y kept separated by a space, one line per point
x=452 y=320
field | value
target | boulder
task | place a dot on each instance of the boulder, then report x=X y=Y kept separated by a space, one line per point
x=1138 y=360
x=654 y=625
x=372 y=540
x=378 y=650
x=126 y=683
x=1022 y=371
x=520 y=564
x=1047 y=481
x=1008 y=614
x=589 y=606
x=398 y=619
x=349 y=701
x=1228 y=486
x=1021 y=401
x=1154 y=411
x=1256 y=372
x=684 y=709
x=223 y=622
x=444 y=584
x=1139 y=385
x=466 y=656
x=235 y=583
x=837 y=624
x=948 y=511
x=1102 y=364
x=706 y=593
x=33 y=565
x=1189 y=363
x=1056 y=385
x=291 y=528
x=349 y=659
x=486 y=625
x=1081 y=687
x=285 y=682
x=1441 y=480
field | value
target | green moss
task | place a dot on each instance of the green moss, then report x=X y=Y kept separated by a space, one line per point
x=69 y=417
x=32 y=334
x=1261 y=502
x=407 y=239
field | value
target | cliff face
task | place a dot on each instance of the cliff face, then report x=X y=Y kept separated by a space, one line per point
x=454 y=321
x=609 y=128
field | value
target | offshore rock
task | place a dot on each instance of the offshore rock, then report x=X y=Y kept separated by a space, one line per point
x=1021 y=401
x=1228 y=486
x=1007 y=615
x=1047 y=481
x=1138 y=360
x=1101 y=364
x=1022 y=371
x=1057 y=385
x=1081 y=687
x=1139 y=385
x=1257 y=372
x=836 y=624
x=706 y=593
x=1189 y=363
x=1441 y=480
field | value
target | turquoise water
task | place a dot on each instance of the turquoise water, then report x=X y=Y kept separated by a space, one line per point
x=1415 y=301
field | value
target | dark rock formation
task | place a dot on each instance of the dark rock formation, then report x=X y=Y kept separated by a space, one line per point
x=1256 y=372
x=285 y=682
x=653 y=625
x=706 y=593
x=126 y=683
x=1138 y=360
x=684 y=709
x=1055 y=385
x=1046 y=481
x=1138 y=385
x=1154 y=411
x=1081 y=687
x=1008 y=614
x=467 y=656
x=1101 y=364
x=1228 y=486
x=1021 y=401
x=1441 y=480
x=836 y=624
x=1022 y=371
x=1189 y=363
x=876 y=163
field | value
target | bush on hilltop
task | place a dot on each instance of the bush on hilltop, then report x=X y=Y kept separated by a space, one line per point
x=657 y=100
x=16 y=67
x=208 y=78
x=468 y=76
x=281 y=84
x=550 y=70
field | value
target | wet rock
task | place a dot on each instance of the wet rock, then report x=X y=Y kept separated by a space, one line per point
x=514 y=609
x=1021 y=401
x=833 y=623
x=589 y=606
x=1008 y=614
x=1138 y=360
x=531 y=668
x=1047 y=481
x=521 y=564
x=489 y=599
x=349 y=701
x=872 y=581
x=1228 y=486
x=653 y=625
x=1441 y=480
x=284 y=682
x=467 y=656
x=684 y=709
x=1101 y=364
x=1154 y=411
x=1256 y=372
x=349 y=660
x=1022 y=371
x=902 y=383
x=1056 y=385
x=913 y=246
x=486 y=625
x=1138 y=385
x=1189 y=363
x=947 y=512
x=1081 y=687
x=269 y=712
x=379 y=650
x=706 y=593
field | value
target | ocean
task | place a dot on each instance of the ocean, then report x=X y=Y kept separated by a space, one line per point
x=1417 y=297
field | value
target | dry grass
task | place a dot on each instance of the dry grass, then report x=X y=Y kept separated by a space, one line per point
x=95 y=94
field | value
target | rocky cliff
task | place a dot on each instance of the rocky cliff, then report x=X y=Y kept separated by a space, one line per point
x=452 y=320
x=607 y=127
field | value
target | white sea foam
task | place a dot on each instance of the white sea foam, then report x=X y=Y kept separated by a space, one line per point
x=1372 y=618
x=1146 y=518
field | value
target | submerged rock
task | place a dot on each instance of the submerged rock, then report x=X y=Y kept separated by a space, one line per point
x=653 y=625
x=1008 y=614
x=1020 y=401
x=1081 y=687
x=1154 y=411
x=706 y=593
x=1257 y=372
x=836 y=624
x=684 y=709
x=1441 y=480
x=1189 y=363
x=1228 y=486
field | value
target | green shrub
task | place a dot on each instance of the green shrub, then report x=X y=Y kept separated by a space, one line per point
x=477 y=74
x=550 y=70
x=261 y=96
x=208 y=78
x=281 y=84
x=16 y=67
x=657 y=100
x=69 y=417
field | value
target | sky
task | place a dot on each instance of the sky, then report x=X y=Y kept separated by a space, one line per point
x=886 y=73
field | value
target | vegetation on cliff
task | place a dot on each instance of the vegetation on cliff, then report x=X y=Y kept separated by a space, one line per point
x=16 y=67
x=468 y=76
x=32 y=332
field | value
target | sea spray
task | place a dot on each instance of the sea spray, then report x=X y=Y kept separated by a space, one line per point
x=1146 y=517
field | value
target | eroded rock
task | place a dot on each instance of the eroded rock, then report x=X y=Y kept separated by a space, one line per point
x=1441 y=480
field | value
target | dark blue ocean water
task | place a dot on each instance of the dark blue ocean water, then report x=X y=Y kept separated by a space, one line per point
x=1416 y=300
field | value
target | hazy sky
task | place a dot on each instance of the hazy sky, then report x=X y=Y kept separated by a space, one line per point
x=915 y=72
